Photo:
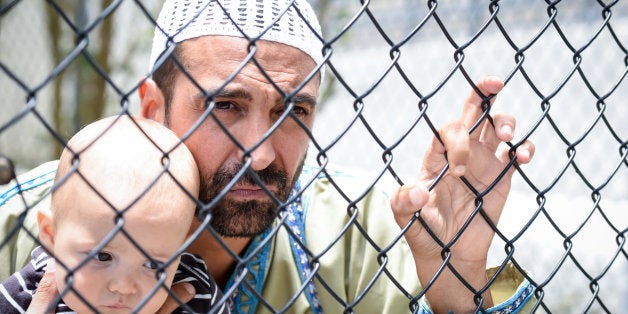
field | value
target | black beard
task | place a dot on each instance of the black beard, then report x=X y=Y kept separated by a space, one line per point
x=244 y=218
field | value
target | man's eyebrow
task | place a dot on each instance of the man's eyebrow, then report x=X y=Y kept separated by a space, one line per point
x=300 y=98
x=224 y=93
x=304 y=98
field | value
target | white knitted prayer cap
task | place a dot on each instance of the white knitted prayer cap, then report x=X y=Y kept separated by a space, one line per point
x=184 y=19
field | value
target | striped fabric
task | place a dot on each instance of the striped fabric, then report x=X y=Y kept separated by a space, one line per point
x=17 y=291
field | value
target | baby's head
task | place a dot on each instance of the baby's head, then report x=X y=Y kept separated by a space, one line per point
x=111 y=176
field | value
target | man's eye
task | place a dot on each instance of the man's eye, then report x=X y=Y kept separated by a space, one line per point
x=223 y=105
x=296 y=110
x=103 y=257
x=299 y=111
x=152 y=265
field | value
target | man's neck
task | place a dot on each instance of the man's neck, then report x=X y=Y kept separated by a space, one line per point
x=219 y=262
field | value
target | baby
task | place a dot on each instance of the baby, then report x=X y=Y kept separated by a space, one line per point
x=121 y=210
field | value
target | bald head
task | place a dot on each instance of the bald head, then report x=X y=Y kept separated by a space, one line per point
x=121 y=161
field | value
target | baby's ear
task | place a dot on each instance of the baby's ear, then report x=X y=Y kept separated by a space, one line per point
x=46 y=231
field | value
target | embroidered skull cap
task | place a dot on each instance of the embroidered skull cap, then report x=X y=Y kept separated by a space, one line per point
x=290 y=22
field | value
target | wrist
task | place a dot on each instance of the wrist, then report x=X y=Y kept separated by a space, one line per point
x=460 y=285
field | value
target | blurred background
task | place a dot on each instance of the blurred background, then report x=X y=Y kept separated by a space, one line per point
x=565 y=66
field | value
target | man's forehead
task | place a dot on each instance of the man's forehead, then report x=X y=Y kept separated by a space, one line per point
x=231 y=59
x=237 y=48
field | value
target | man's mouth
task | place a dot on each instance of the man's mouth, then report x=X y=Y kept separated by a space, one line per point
x=249 y=192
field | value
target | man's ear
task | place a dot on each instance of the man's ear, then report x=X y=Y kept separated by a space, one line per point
x=152 y=102
x=46 y=230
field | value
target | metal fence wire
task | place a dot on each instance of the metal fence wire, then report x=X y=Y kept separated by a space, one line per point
x=396 y=71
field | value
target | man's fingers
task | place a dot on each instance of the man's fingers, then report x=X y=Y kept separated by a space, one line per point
x=503 y=131
x=456 y=141
x=184 y=291
x=472 y=109
x=45 y=294
x=504 y=127
x=407 y=200
x=524 y=152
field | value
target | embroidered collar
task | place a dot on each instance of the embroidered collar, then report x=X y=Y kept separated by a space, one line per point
x=243 y=299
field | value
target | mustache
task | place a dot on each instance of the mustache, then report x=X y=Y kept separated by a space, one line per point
x=227 y=174
x=268 y=176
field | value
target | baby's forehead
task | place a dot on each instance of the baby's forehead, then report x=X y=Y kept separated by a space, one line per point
x=126 y=196
x=157 y=206
x=127 y=234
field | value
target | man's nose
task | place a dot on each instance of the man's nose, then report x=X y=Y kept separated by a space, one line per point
x=257 y=145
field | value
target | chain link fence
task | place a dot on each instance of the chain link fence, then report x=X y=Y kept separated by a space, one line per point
x=564 y=64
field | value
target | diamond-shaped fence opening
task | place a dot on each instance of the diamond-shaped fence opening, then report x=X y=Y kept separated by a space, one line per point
x=396 y=71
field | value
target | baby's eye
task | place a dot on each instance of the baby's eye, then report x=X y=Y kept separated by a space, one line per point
x=103 y=257
x=152 y=265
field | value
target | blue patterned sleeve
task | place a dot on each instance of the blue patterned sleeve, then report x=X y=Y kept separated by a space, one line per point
x=514 y=304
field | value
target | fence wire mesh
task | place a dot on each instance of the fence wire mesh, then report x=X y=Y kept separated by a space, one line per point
x=396 y=72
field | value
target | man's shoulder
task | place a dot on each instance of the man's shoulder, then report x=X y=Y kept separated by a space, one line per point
x=36 y=182
x=332 y=195
x=19 y=205
x=346 y=183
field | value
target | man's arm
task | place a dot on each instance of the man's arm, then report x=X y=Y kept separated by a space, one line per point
x=450 y=204
x=18 y=216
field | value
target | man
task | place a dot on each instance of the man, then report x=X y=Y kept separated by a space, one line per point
x=244 y=107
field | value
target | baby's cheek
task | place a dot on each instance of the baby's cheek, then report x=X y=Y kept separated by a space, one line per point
x=160 y=296
x=155 y=303
x=91 y=285
x=172 y=270
x=81 y=283
x=60 y=276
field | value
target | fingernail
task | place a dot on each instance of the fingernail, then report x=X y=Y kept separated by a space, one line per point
x=524 y=154
x=507 y=130
x=189 y=288
x=460 y=170
x=416 y=196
